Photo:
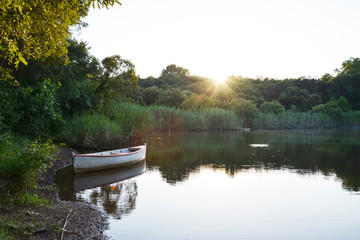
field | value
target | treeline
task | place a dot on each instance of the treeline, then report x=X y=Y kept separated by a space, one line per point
x=296 y=94
x=106 y=100
x=42 y=95
x=331 y=101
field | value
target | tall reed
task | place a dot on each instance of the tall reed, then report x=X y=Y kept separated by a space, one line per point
x=293 y=120
x=165 y=118
x=349 y=119
x=132 y=118
x=93 y=130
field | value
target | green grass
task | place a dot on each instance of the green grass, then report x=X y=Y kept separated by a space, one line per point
x=22 y=161
x=25 y=199
x=17 y=225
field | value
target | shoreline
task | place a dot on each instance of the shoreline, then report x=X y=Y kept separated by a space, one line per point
x=84 y=220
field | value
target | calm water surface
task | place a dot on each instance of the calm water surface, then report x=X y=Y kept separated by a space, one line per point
x=232 y=185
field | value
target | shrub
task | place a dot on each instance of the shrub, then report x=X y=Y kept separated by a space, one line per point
x=344 y=104
x=272 y=107
x=23 y=161
x=330 y=108
x=244 y=109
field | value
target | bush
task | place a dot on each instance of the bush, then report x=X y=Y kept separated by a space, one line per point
x=272 y=107
x=244 y=109
x=344 y=104
x=23 y=161
x=171 y=97
x=330 y=108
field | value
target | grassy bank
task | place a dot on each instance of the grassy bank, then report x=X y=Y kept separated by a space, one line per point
x=114 y=126
x=22 y=162
x=120 y=121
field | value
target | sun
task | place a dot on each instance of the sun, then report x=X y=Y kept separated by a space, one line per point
x=219 y=80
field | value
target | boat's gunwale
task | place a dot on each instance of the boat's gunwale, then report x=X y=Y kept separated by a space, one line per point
x=112 y=155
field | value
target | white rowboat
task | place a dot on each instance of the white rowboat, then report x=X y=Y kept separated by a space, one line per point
x=108 y=159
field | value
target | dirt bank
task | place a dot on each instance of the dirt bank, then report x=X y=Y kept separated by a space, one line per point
x=84 y=221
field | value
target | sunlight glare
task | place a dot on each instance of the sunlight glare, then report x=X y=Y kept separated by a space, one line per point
x=219 y=80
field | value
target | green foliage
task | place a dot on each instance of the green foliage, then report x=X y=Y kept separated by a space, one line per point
x=216 y=118
x=294 y=96
x=292 y=120
x=191 y=102
x=172 y=97
x=313 y=100
x=249 y=92
x=166 y=118
x=24 y=199
x=29 y=107
x=117 y=81
x=343 y=104
x=349 y=119
x=77 y=91
x=330 y=108
x=36 y=29
x=133 y=119
x=4 y=233
x=179 y=77
x=47 y=93
x=93 y=130
x=23 y=162
x=272 y=107
x=348 y=86
x=174 y=71
x=350 y=66
x=151 y=95
x=244 y=109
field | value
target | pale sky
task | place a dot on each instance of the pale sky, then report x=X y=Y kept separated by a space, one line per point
x=215 y=39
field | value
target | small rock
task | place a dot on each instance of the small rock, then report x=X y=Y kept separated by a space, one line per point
x=30 y=213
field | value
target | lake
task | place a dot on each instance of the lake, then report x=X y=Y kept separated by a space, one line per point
x=295 y=184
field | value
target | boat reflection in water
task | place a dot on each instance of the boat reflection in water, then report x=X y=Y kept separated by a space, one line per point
x=114 y=190
x=95 y=179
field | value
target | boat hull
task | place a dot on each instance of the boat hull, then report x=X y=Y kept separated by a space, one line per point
x=105 y=160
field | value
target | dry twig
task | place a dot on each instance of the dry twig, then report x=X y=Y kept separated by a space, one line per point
x=67 y=220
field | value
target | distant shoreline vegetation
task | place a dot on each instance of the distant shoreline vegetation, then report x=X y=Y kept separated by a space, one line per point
x=122 y=120
x=104 y=103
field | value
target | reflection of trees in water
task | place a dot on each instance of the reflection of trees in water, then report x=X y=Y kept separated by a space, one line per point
x=305 y=151
x=117 y=199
